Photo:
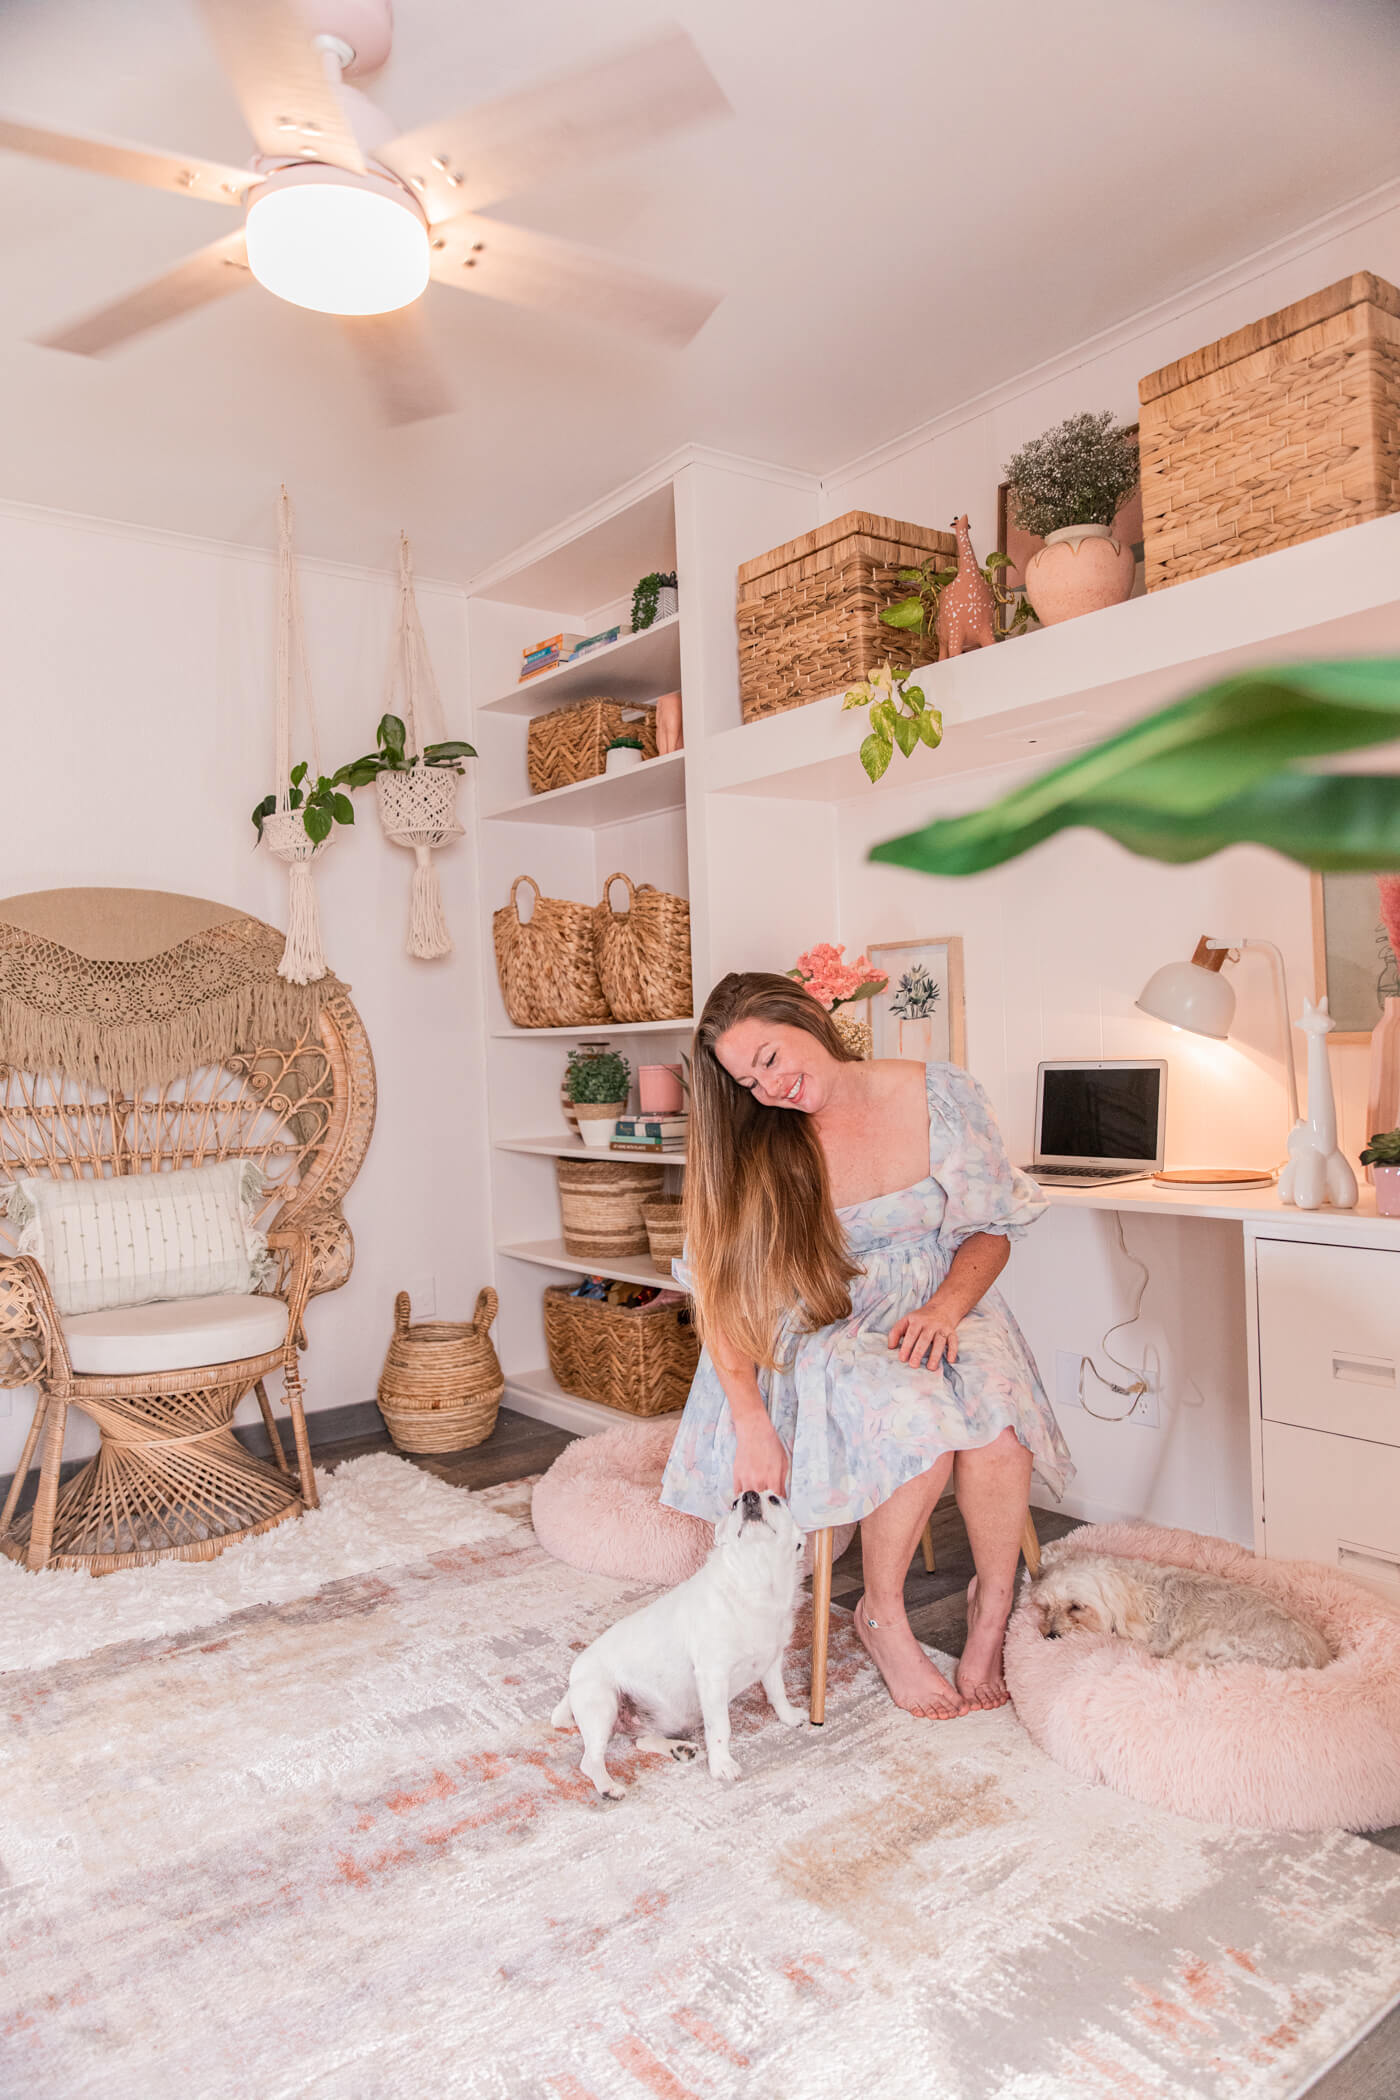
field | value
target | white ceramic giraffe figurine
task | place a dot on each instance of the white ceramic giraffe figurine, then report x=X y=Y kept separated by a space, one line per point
x=1317 y=1172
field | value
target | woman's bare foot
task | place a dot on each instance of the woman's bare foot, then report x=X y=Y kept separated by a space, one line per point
x=910 y=1677
x=979 y=1677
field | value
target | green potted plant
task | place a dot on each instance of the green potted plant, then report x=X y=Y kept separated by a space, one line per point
x=655 y=598
x=1382 y=1156
x=899 y=714
x=596 y=1083
x=1067 y=487
x=623 y=754
x=319 y=806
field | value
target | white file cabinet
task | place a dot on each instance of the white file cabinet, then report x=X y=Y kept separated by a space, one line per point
x=1326 y=1378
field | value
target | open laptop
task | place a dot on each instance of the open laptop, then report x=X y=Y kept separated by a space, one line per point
x=1101 y=1121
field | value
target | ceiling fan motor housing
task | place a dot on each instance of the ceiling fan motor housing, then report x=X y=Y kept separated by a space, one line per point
x=367 y=26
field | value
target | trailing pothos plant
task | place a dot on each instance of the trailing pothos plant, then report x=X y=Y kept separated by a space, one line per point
x=918 y=613
x=391 y=756
x=899 y=715
x=321 y=804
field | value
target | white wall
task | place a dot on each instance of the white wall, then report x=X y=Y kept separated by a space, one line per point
x=137 y=737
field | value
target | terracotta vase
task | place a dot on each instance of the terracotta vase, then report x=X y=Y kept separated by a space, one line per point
x=670 y=735
x=1080 y=569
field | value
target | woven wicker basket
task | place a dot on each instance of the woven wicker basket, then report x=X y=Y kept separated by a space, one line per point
x=1280 y=432
x=548 y=976
x=643 y=954
x=639 y=1360
x=441 y=1384
x=665 y=1233
x=571 y=743
x=809 y=611
x=600 y=1205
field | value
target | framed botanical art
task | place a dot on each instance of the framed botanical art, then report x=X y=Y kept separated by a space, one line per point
x=920 y=1013
x=1353 y=962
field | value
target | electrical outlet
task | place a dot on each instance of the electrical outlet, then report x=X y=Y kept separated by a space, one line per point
x=1146 y=1413
x=422 y=1296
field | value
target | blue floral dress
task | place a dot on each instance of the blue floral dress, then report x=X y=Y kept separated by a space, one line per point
x=857 y=1421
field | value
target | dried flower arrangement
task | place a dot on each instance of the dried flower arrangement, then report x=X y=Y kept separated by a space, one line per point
x=1079 y=473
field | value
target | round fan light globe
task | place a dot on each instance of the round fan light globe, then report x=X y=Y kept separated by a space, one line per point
x=338 y=243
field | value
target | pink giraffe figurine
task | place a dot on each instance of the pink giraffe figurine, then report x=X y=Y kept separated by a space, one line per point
x=1317 y=1170
x=967 y=611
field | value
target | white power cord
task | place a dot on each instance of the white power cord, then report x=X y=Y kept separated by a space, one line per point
x=1134 y=1392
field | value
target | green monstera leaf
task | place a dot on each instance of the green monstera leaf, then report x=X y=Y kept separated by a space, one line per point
x=1222 y=768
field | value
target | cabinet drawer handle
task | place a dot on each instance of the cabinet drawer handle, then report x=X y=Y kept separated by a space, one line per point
x=1364 y=1370
x=1372 y=1556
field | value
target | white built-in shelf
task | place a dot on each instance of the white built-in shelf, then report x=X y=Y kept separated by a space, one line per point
x=634 y=667
x=540 y=1395
x=550 y=1254
x=567 y=1148
x=1062 y=687
x=600 y=1029
x=609 y=798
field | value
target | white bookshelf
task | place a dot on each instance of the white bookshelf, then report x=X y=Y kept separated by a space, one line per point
x=634 y=667
x=648 y=790
x=567 y=1148
x=551 y=1254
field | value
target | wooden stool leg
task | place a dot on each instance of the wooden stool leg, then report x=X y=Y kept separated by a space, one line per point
x=1030 y=1544
x=274 y=1435
x=46 y=1502
x=291 y=1380
x=821 y=1623
x=926 y=1545
x=25 y=1460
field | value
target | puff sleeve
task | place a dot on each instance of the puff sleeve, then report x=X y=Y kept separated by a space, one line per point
x=984 y=1191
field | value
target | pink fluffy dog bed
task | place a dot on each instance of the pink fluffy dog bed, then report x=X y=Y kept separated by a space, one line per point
x=598 y=1508
x=1272 y=1749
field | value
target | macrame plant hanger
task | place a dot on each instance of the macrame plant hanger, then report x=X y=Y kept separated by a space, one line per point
x=284 y=832
x=418 y=808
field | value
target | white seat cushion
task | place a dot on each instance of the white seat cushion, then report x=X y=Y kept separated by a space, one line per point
x=177 y=1335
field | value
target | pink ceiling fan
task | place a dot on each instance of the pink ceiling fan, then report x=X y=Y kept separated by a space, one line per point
x=343 y=216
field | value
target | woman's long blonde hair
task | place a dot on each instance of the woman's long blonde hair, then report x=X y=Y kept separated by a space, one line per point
x=762 y=1238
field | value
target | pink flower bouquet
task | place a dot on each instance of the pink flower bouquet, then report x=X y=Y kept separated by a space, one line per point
x=824 y=972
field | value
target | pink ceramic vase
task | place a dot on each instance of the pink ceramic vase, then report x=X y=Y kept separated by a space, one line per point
x=1079 y=569
x=670 y=735
x=660 y=1090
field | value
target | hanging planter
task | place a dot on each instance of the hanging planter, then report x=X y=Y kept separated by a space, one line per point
x=415 y=783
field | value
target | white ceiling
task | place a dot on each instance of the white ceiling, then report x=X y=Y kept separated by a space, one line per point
x=912 y=203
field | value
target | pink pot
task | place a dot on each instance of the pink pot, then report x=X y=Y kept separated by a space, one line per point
x=1079 y=569
x=670 y=735
x=1387 y=1191
x=659 y=1087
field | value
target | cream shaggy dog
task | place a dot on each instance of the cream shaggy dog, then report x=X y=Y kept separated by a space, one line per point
x=684 y=1656
x=1191 y=1617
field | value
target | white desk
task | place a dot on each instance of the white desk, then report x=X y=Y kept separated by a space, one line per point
x=1322 y=1296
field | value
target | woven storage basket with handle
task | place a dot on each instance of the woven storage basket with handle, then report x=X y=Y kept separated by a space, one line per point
x=600 y=1206
x=548 y=976
x=809 y=611
x=639 y=1360
x=571 y=743
x=441 y=1384
x=665 y=1233
x=643 y=954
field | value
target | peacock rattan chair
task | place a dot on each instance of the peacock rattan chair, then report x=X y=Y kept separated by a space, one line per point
x=296 y=1095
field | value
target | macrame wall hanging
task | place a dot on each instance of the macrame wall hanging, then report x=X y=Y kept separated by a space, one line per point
x=289 y=829
x=418 y=800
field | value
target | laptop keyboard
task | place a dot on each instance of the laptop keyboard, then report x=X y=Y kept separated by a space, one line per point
x=1086 y=1173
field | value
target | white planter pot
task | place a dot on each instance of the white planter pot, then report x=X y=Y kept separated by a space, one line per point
x=624 y=759
x=597 y=1121
x=667 y=602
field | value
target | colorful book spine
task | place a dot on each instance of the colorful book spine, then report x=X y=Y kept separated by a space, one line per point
x=652 y=1126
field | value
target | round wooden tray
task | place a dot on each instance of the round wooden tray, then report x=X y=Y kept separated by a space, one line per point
x=1214 y=1177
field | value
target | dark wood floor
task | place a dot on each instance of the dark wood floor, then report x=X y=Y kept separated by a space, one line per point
x=937 y=1612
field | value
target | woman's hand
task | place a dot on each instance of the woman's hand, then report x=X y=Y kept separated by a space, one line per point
x=926 y=1335
x=760 y=1456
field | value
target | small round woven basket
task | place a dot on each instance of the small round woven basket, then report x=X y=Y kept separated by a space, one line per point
x=441 y=1384
x=665 y=1234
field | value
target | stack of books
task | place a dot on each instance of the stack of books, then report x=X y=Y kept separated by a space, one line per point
x=594 y=641
x=547 y=655
x=649 y=1134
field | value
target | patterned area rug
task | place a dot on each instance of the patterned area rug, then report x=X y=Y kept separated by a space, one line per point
x=330 y=1846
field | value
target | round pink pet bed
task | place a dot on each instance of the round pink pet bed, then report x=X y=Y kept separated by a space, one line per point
x=1272 y=1749
x=598 y=1508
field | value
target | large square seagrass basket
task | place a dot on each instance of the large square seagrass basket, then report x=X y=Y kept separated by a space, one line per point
x=809 y=611
x=637 y=1359
x=1280 y=432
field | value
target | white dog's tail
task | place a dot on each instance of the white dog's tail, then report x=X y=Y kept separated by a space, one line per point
x=563 y=1715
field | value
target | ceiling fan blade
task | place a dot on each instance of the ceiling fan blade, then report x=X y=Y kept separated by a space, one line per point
x=208 y=274
x=187 y=175
x=398 y=359
x=282 y=83
x=531 y=269
x=501 y=148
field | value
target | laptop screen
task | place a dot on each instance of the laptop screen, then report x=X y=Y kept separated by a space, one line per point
x=1099 y=1113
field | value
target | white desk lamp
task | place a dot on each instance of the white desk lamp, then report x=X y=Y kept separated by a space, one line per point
x=1196 y=995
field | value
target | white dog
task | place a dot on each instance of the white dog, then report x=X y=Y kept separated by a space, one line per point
x=684 y=1656
x=1179 y=1612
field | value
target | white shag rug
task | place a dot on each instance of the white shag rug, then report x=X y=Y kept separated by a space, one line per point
x=319 y=1839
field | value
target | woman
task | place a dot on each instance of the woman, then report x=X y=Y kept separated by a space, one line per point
x=845 y=1224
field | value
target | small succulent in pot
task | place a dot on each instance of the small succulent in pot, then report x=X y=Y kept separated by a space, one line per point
x=653 y=599
x=622 y=754
x=1382 y=1155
